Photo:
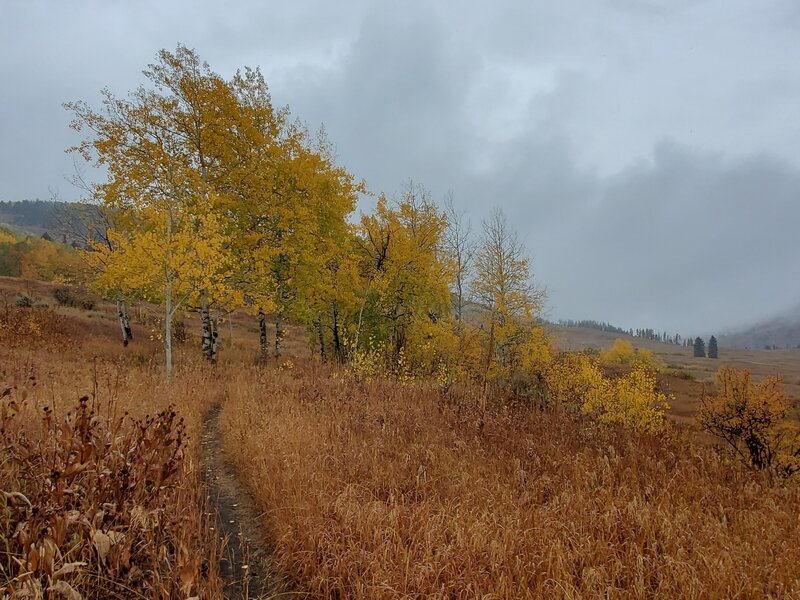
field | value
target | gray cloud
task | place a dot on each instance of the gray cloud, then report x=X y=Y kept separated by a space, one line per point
x=645 y=149
x=692 y=239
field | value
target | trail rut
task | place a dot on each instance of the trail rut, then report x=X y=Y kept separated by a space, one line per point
x=245 y=566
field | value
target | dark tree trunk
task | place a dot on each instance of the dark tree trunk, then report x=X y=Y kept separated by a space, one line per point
x=337 y=343
x=262 y=335
x=278 y=334
x=320 y=336
x=214 y=337
x=207 y=340
x=124 y=323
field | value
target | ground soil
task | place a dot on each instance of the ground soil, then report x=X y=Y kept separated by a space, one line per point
x=245 y=566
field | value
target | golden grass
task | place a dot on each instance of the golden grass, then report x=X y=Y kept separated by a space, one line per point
x=101 y=496
x=386 y=491
x=383 y=490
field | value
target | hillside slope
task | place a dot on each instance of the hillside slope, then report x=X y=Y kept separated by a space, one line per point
x=782 y=331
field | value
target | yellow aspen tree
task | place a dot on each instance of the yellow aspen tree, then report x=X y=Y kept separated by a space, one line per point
x=503 y=287
x=165 y=153
x=406 y=271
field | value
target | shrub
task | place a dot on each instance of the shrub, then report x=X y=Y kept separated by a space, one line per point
x=179 y=332
x=679 y=373
x=64 y=296
x=98 y=507
x=574 y=379
x=34 y=326
x=623 y=353
x=752 y=420
x=24 y=302
x=431 y=348
x=632 y=401
x=68 y=297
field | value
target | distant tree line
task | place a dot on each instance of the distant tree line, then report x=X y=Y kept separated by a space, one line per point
x=648 y=334
x=66 y=222
x=599 y=325
x=29 y=213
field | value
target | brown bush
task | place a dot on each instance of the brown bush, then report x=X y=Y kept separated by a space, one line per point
x=752 y=419
x=101 y=506
x=36 y=326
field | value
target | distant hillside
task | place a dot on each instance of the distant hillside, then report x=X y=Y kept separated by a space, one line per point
x=34 y=257
x=780 y=332
x=62 y=221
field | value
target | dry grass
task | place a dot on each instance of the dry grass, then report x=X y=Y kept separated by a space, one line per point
x=100 y=498
x=370 y=490
x=389 y=491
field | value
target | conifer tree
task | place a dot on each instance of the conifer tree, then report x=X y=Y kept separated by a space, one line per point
x=699 y=347
x=712 y=348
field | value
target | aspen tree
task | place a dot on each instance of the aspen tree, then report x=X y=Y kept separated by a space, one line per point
x=164 y=150
x=502 y=286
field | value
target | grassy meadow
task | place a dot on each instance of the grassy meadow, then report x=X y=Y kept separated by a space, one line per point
x=365 y=487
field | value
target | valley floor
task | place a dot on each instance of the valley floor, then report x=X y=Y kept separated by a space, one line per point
x=366 y=489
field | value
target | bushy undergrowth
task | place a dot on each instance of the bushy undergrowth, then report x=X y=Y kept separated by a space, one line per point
x=92 y=503
x=633 y=400
x=74 y=297
x=34 y=326
x=623 y=353
x=385 y=490
x=100 y=497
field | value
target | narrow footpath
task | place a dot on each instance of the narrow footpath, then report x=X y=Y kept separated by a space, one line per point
x=245 y=565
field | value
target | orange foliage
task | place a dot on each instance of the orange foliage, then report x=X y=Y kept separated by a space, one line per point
x=752 y=419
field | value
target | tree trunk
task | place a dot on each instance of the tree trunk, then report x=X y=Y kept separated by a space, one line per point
x=337 y=342
x=321 y=336
x=278 y=334
x=168 y=294
x=168 y=330
x=124 y=322
x=214 y=337
x=360 y=316
x=489 y=353
x=207 y=342
x=262 y=335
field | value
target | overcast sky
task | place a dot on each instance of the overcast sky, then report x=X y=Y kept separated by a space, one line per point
x=647 y=150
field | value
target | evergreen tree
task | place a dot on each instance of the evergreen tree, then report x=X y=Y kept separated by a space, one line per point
x=712 y=348
x=699 y=347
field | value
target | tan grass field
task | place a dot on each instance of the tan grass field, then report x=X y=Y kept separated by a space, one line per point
x=377 y=489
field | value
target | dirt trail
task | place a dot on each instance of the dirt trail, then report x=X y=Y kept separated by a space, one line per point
x=245 y=566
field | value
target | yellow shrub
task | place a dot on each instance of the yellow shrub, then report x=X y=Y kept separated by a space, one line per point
x=535 y=353
x=623 y=353
x=366 y=362
x=432 y=348
x=575 y=379
x=632 y=401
